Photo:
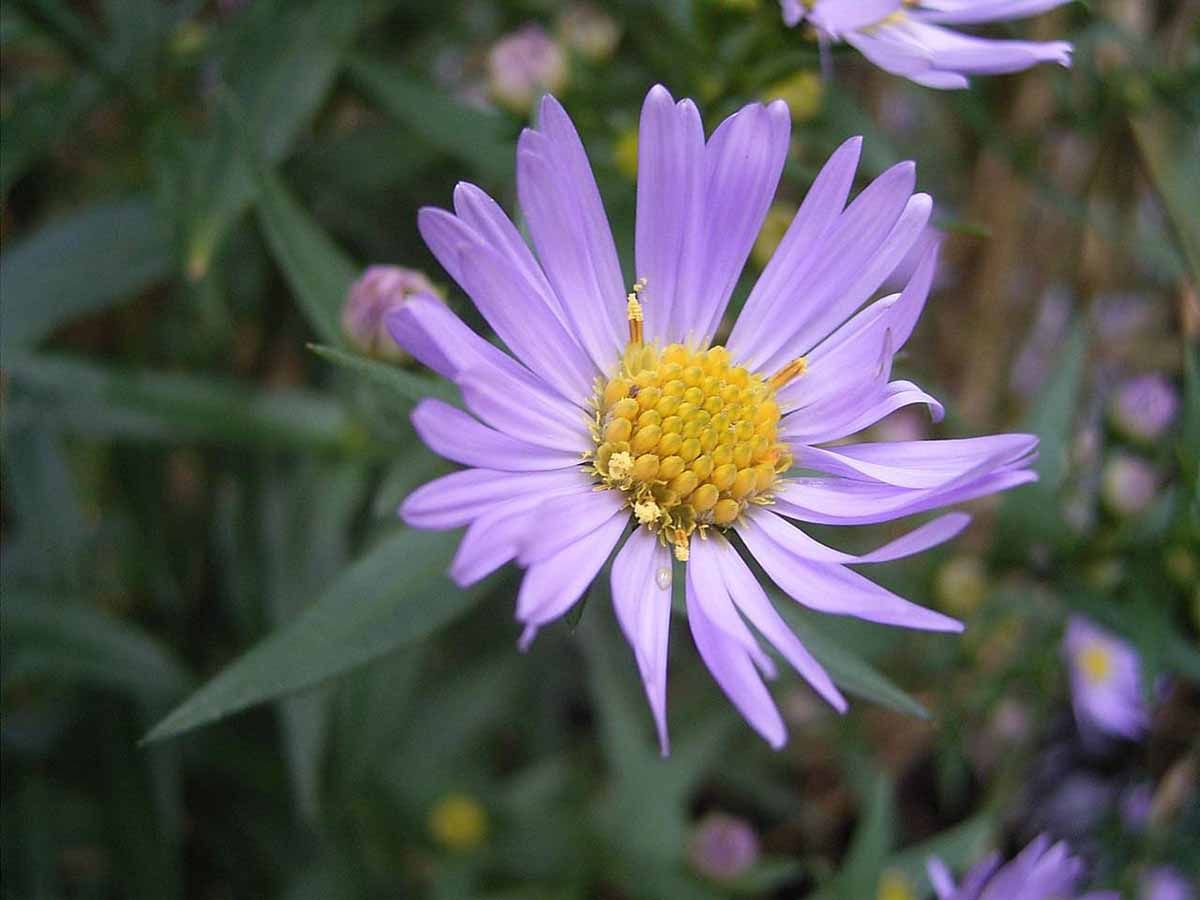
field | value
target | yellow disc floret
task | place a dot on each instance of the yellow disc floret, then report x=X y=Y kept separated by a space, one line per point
x=690 y=438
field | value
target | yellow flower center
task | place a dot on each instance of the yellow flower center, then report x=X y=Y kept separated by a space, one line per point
x=688 y=437
x=1095 y=663
x=458 y=822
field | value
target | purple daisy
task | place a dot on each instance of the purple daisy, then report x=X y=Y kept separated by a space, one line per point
x=1040 y=872
x=906 y=37
x=619 y=410
x=1106 y=685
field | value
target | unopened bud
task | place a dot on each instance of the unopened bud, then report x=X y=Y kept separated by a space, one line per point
x=379 y=291
x=723 y=847
x=1144 y=407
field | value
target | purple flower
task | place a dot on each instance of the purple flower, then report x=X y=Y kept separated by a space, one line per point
x=524 y=65
x=723 y=847
x=1128 y=485
x=1105 y=680
x=1040 y=872
x=1166 y=883
x=619 y=410
x=1144 y=407
x=906 y=37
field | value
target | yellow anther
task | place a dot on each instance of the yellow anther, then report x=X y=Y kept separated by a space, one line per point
x=620 y=466
x=647 y=398
x=726 y=512
x=681 y=546
x=646 y=467
x=646 y=512
x=618 y=430
x=670 y=467
x=684 y=483
x=645 y=439
x=626 y=408
x=703 y=466
x=794 y=369
x=705 y=497
x=743 y=484
x=617 y=389
x=722 y=476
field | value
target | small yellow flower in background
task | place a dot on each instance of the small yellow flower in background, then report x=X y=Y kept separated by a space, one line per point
x=779 y=217
x=458 y=822
x=589 y=31
x=802 y=92
x=895 y=885
x=625 y=153
x=961 y=585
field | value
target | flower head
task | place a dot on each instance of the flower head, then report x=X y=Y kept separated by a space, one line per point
x=524 y=65
x=907 y=37
x=1105 y=680
x=1040 y=872
x=1144 y=407
x=618 y=424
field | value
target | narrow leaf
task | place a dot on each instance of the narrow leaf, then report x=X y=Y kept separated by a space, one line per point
x=391 y=378
x=393 y=596
x=78 y=265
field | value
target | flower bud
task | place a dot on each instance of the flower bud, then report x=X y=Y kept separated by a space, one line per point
x=1144 y=407
x=589 y=31
x=723 y=847
x=458 y=822
x=1128 y=485
x=379 y=291
x=524 y=65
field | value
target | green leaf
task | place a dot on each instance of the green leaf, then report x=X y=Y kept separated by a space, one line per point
x=78 y=265
x=392 y=597
x=873 y=839
x=283 y=60
x=473 y=137
x=389 y=377
x=37 y=120
x=850 y=671
x=1168 y=149
x=47 y=639
x=315 y=268
x=82 y=397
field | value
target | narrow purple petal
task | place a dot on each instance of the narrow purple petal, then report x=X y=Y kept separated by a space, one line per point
x=507 y=404
x=835 y=589
x=456 y=499
x=564 y=520
x=931 y=534
x=670 y=202
x=554 y=585
x=455 y=435
x=642 y=602
x=730 y=664
x=973 y=12
x=752 y=600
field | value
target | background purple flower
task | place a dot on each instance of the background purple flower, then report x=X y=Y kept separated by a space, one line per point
x=1041 y=871
x=1105 y=675
x=908 y=38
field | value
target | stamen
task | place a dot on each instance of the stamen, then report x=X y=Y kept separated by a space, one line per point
x=794 y=369
x=633 y=310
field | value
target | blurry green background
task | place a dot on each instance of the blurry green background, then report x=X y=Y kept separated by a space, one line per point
x=193 y=498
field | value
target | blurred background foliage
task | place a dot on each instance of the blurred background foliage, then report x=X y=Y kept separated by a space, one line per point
x=198 y=509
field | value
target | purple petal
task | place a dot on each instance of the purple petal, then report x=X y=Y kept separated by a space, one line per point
x=973 y=12
x=841 y=416
x=564 y=520
x=796 y=253
x=670 y=203
x=729 y=662
x=554 y=585
x=835 y=589
x=753 y=602
x=460 y=497
x=836 y=16
x=743 y=162
x=508 y=405
x=936 y=531
x=643 y=608
x=704 y=568
x=455 y=435
x=570 y=230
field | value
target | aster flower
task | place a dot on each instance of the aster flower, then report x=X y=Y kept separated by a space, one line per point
x=907 y=37
x=1040 y=872
x=617 y=410
x=1105 y=680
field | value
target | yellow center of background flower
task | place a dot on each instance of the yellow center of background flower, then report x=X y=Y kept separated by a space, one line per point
x=1095 y=663
x=688 y=437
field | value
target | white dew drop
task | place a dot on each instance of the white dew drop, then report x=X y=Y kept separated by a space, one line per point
x=663 y=578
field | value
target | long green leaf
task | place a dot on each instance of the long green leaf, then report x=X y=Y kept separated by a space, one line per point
x=79 y=265
x=388 y=377
x=47 y=639
x=315 y=268
x=473 y=137
x=393 y=596
x=83 y=397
